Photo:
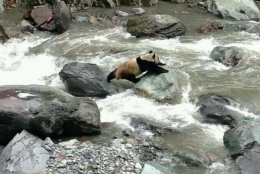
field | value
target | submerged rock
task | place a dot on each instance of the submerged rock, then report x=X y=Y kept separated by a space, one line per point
x=166 y=87
x=243 y=137
x=249 y=162
x=84 y=79
x=156 y=26
x=45 y=111
x=24 y=154
x=152 y=167
x=229 y=56
x=239 y=10
x=191 y=159
x=214 y=109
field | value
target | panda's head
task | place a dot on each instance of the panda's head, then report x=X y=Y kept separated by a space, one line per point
x=152 y=57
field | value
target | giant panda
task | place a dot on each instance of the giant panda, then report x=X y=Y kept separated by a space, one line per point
x=133 y=67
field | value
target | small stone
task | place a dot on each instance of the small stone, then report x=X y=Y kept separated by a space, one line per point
x=117 y=164
x=128 y=145
x=61 y=165
x=105 y=163
x=146 y=144
x=138 y=166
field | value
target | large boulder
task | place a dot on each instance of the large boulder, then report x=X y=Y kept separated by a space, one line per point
x=249 y=163
x=25 y=154
x=84 y=79
x=45 y=111
x=40 y=15
x=234 y=9
x=243 y=137
x=229 y=56
x=62 y=17
x=166 y=87
x=214 y=109
x=165 y=26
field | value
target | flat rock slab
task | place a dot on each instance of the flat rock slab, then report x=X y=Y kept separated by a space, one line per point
x=24 y=154
x=165 y=26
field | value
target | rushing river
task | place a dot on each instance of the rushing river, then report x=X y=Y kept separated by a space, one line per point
x=38 y=58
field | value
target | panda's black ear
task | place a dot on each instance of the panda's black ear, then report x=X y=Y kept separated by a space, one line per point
x=150 y=52
x=154 y=56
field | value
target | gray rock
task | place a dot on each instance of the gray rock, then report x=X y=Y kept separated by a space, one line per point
x=1 y=5
x=243 y=137
x=138 y=11
x=46 y=112
x=151 y=167
x=238 y=10
x=121 y=13
x=229 y=56
x=167 y=87
x=84 y=79
x=62 y=17
x=249 y=162
x=24 y=154
x=26 y=27
x=213 y=108
x=81 y=19
x=155 y=26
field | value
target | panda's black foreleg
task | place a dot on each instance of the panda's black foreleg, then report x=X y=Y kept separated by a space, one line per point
x=160 y=70
x=111 y=76
x=132 y=78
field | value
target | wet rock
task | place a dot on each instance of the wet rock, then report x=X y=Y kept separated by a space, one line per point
x=229 y=56
x=214 y=109
x=166 y=87
x=152 y=167
x=84 y=79
x=46 y=112
x=26 y=27
x=62 y=17
x=121 y=13
x=127 y=132
x=3 y=36
x=191 y=159
x=243 y=137
x=138 y=11
x=23 y=154
x=108 y=3
x=40 y=15
x=249 y=162
x=140 y=123
x=155 y=26
x=238 y=10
